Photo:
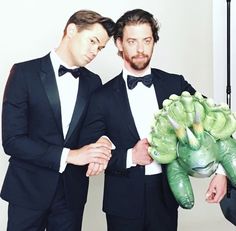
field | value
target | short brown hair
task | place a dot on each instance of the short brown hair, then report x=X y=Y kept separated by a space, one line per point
x=85 y=18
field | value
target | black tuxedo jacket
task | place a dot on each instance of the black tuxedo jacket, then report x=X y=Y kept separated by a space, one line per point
x=33 y=138
x=109 y=114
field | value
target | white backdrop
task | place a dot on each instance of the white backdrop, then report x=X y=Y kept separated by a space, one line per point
x=31 y=28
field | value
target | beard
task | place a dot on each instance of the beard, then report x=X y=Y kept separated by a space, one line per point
x=137 y=65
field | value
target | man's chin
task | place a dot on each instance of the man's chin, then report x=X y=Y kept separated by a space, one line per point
x=139 y=67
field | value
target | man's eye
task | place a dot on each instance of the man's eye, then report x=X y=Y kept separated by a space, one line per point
x=131 y=42
x=147 y=41
x=92 y=41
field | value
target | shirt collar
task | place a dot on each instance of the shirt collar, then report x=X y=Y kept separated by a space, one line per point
x=57 y=61
x=126 y=72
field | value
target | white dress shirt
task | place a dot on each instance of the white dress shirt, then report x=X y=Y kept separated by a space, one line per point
x=68 y=88
x=144 y=105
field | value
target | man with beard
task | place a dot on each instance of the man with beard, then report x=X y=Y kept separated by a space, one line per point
x=136 y=193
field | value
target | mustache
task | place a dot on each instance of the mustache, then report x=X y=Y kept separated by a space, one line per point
x=140 y=56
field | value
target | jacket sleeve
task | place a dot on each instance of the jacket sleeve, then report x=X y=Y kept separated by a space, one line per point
x=16 y=139
x=100 y=120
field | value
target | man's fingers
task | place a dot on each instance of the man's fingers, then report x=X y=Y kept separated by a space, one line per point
x=99 y=169
x=100 y=144
x=102 y=154
x=211 y=195
x=105 y=141
x=105 y=153
x=90 y=169
x=105 y=166
x=98 y=160
x=94 y=169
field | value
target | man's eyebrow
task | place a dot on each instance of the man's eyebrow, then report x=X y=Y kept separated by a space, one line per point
x=96 y=39
x=131 y=38
x=101 y=47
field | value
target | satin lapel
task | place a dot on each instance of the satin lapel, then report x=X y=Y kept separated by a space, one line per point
x=81 y=100
x=49 y=82
x=122 y=100
x=160 y=90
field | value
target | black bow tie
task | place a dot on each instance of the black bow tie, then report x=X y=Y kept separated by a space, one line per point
x=75 y=72
x=132 y=81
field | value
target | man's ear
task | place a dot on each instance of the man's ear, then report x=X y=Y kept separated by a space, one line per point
x=71 y=30
x=119 y=44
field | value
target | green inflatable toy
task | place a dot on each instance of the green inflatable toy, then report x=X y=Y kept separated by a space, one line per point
x=192 y=135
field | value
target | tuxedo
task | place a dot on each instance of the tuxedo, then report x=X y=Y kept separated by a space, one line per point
x=33 y=138
x=109 y=114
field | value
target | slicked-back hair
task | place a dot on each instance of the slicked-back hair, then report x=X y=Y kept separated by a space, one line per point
x=86 y=18
x=135 y=17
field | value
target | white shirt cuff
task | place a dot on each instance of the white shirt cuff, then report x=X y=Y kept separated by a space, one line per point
x=220 y=170
x=129 y=159
x=63 y=163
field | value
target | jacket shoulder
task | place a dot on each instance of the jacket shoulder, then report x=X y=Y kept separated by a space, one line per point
x=164 y=74
x=32 y=61
x=88 y=72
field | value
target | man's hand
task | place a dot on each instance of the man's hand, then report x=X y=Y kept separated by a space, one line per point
x=105 y=140
x=99 y=152
x=140 y=153
x=96 y=168
x=217 y=189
